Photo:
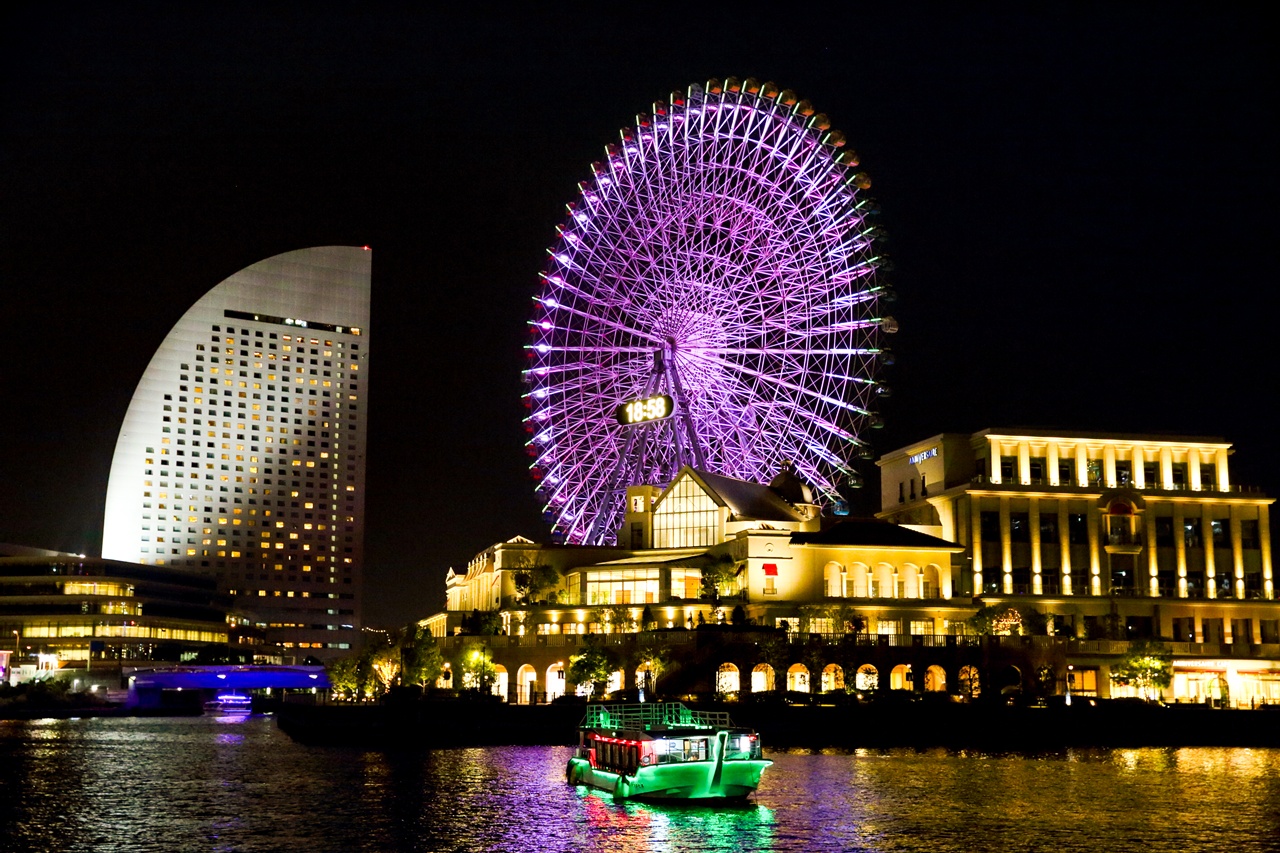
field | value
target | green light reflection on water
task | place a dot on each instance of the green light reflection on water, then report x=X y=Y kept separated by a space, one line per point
x=635 y=827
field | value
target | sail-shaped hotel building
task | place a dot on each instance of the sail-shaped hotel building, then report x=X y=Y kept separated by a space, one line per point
x=242 y=452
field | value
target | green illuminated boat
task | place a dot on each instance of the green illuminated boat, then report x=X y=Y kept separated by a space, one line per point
x=665 y=751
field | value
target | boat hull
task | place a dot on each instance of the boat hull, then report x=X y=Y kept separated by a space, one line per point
x=701 y=781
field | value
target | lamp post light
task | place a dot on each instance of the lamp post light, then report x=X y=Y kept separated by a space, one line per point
x=1070 y=670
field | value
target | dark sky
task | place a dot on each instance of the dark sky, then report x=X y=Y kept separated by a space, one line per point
x=1081 y=202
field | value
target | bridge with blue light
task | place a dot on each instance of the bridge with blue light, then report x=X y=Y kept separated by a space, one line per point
x=148 y=687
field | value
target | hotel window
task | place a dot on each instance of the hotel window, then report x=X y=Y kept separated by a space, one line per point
x=1249 y=534
x=1208 y=477
x=1078 y=529
x=1066 y=472
x=1220 y=530
x=1037 y=467
x=686 y=584
x=1019 y=527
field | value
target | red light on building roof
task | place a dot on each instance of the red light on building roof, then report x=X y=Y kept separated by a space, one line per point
x=366 y=248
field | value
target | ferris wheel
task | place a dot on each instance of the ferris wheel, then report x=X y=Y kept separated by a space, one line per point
x=714 y=299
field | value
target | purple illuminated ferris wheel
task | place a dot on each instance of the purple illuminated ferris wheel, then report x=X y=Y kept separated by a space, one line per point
x=714 y=299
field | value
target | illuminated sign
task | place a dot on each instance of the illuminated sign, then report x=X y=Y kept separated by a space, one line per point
x=922 y=455
x=644 y=410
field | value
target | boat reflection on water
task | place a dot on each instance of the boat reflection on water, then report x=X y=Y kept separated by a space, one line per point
x=633 y=826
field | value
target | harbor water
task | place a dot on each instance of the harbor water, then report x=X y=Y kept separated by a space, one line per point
x=239 y=784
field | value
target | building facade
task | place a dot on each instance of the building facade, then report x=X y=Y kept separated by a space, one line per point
x=63 y=610
x=710 y=552
x=241 y=456
x=1113 y=538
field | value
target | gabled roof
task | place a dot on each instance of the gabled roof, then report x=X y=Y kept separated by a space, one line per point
x=746 y=501
x=873 y=533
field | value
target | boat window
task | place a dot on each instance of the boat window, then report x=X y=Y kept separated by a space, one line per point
x=695 y=749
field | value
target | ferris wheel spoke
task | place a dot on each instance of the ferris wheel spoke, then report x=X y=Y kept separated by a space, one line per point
x=792 y=386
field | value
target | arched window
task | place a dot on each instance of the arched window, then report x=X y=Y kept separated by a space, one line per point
x=832 y=678
x=728 y=680
x=761 y=678
x=798 y=678
x=867 y=679
x=935 y=679
x=555 y=681
x=526 y=685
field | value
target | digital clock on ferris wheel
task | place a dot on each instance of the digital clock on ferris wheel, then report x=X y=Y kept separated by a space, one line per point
x=645 y=410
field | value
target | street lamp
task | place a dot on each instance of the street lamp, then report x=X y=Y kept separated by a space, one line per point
x=1070 y=669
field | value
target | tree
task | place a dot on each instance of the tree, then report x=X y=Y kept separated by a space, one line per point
x=478 y=670
x=385 y=662
x=652 y=657
x=594 y=666
x=1003 y=620
x=717 y=575
x=775 y=651
x=739 y=616
x=343 y=677
x=1147 y=666
x=619 y=616
x=647 y=620
x=534 y=580
x=420 y=655
x=845 y=619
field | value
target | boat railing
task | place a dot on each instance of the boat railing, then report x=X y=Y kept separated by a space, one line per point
x=653 y=715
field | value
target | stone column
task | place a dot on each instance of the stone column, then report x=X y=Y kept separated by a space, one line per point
x=1224 y=481
x=1033 y=518
x=975 y=541
x=1193 y=469
x=1264 y=540
x=1082 y=465
x=1109 y=465
x=1166 y=468
x=1206 y=538
x=1149 y=542
x=1051 y=462
x=1024 y=462
x=1237 y=551
x=1006 y=548
x=1138 y=459
x=1180 y=549
x=1064 y=545
x=1094 y=518
x=995 y=459
x=1197 y=623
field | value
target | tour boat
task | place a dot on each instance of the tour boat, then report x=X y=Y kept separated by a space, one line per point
x=665 y=751
x=230 y=703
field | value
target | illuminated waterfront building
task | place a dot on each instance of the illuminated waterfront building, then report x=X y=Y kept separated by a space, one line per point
x=1113 y=538
x=61 y=608
x=771 y=561
x=241 y=456
x=1102 y=540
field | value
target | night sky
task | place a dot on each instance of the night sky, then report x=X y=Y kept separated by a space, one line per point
x=1081 y=202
